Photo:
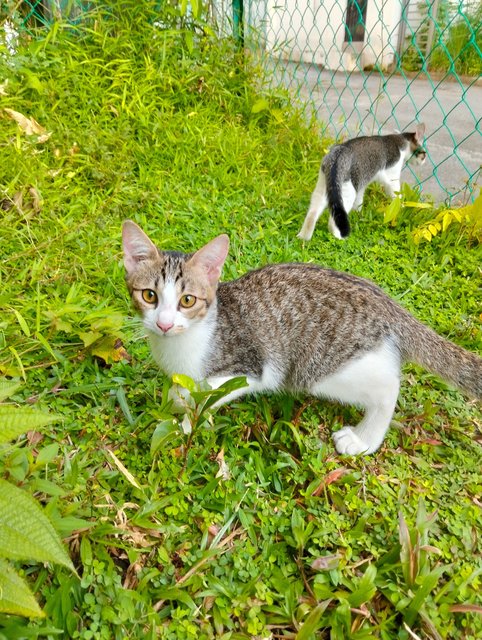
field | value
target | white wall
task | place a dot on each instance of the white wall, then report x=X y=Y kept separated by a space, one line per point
x=313 y=31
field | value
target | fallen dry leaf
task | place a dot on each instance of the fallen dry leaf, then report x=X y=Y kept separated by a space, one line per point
x=325 y=563
x=29 y=125
x=432 y=441
x=331 y=477
x=34 y=437
x=110 y=349
x=223 y=471
x=44 y=137
x=36 y=199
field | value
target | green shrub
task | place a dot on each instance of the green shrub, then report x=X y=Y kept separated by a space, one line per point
x=25 y=531
x=460 y=45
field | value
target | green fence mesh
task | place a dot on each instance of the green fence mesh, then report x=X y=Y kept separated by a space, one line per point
x=28 y=15
x=375 y=66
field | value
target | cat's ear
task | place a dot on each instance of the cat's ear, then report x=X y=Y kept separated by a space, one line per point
x=136 y=245
x=419 y=133
x=211 y=257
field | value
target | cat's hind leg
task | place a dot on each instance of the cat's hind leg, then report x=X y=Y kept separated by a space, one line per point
x=318 y=203
x=357 y=205
x=372 y=382
x=390 y=180
x=348 y=197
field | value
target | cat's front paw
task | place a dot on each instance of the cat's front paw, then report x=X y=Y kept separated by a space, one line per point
x=305 y=235
x=181 y=399
x=347 y=442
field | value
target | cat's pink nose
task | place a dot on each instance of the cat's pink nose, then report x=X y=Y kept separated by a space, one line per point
x=165 y=326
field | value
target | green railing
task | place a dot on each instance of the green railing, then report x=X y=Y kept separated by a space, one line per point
x=375 y=66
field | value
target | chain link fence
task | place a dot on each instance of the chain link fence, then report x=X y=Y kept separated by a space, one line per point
x=30 y=14
x=364 y=67
x=374 y=66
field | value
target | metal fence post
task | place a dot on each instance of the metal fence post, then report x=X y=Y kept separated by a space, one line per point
x=238 y=22
x=432 y=13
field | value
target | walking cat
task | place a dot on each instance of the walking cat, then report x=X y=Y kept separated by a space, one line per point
x=349 y=168
x=294 y=327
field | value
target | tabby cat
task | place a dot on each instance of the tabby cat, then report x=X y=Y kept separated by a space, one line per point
x=294 y=327
x=349 y=168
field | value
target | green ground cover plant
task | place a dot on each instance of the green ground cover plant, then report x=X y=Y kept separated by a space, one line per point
x=243 y=523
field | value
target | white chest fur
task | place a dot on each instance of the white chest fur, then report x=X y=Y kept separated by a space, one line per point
x=186 y=352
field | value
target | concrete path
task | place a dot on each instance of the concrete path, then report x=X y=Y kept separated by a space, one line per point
x=354 y=104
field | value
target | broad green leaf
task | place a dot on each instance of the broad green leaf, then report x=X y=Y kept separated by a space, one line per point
x=195 y=6
x=8 y=388
x=366 y=588
x=224 y=390
x=392 y=211
x=189 y=39
x=45 y=345
x=260 y=105
x=184 y=381
x=427 y=585
x=110 y=349
x=163 y=433
x=298 y=528
x=10 y=369
x=21 y=321
x=47 y=487
x=25 y=531
x=86 y=554
x=15 y=595
x=312 y=622
x=178 y=595
x=47 y=454
x=417 y=205
x=17 y=420
x=446 y=221
x=89 y=337
x=278 y=115
x=15 y=354
x=67 y=524
x=33 y=80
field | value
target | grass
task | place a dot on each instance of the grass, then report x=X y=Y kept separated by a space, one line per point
x=251 y=526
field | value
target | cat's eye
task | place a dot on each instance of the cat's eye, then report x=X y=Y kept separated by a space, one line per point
x=149 y=296
x=187 y=301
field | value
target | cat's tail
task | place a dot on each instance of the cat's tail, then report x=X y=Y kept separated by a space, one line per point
x=452 y=363
x=339 y=223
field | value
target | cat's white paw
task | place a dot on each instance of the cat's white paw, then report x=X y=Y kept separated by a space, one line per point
x=181 y=399
x=347 y=442
x=304 y=235
x=333 y=229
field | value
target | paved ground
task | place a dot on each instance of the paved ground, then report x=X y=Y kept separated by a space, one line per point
x=354 y=104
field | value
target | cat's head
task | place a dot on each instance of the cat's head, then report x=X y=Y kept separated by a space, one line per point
x=415 y=139
x=172 y=290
